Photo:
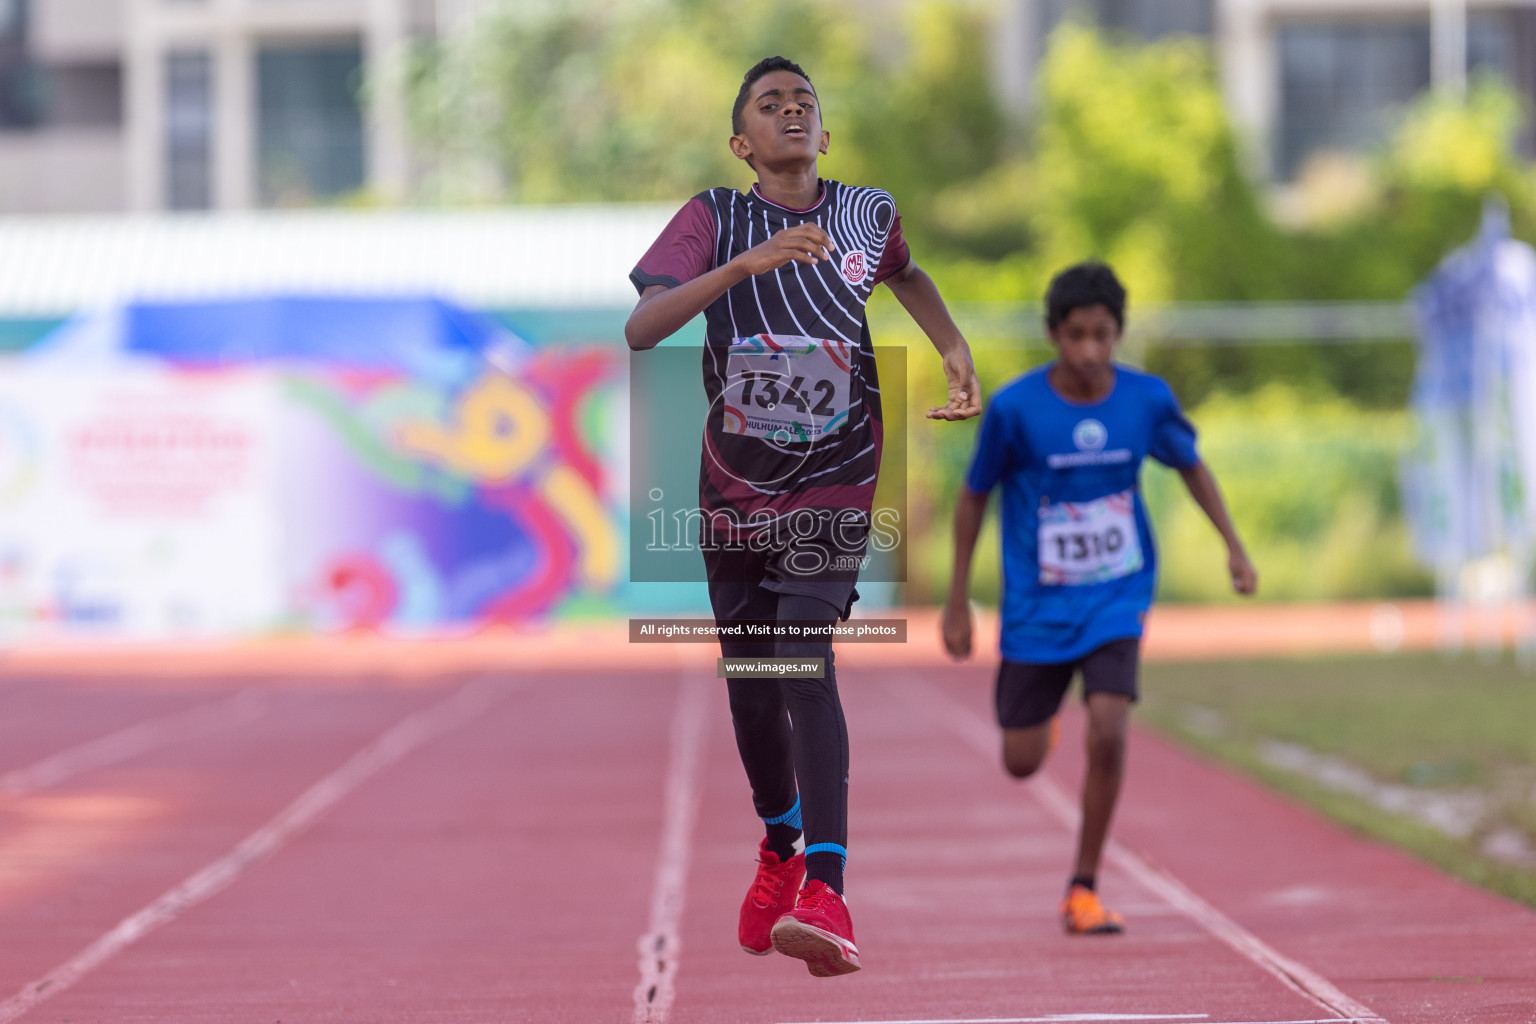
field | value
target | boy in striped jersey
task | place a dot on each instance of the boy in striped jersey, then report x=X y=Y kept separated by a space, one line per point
x=791 y=453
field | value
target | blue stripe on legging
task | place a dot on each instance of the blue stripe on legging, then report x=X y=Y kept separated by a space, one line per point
x=790 y=817
x=828 y=848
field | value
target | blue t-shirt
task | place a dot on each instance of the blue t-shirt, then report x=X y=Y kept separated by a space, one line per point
x=1079 y=566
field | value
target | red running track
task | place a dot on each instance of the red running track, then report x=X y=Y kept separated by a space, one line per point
x=573 y=847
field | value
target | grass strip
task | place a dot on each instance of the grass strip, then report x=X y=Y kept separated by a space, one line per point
x=1422 y=721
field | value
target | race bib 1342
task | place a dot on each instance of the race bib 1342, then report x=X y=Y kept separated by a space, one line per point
x=786 y=388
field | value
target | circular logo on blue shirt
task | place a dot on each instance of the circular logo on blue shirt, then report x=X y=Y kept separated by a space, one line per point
x=1089 y=435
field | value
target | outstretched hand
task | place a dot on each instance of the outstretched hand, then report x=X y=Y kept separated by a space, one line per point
x=964 y=390
x=803 y=243
x=956 y=628
x=1245 y=578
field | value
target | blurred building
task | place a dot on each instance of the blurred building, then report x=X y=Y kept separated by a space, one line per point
x=146 y=105
x=1303 y=76
x=112 y=105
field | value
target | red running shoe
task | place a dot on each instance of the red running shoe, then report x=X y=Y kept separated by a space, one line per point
x=818 y=931
x=771 y=897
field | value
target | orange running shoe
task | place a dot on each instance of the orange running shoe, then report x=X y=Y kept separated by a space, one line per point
x=771 y=897
x=1083 y=914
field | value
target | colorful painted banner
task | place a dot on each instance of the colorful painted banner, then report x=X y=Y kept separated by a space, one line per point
x=409 y=506
x=164 y=494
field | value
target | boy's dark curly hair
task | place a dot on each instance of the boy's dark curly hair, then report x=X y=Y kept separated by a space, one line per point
x=757 y=71
x=1081 y=285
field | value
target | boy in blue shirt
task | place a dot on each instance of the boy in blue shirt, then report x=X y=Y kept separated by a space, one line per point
x=1066 y=442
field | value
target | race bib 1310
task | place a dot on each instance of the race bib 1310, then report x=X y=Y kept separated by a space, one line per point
x=1089 y=541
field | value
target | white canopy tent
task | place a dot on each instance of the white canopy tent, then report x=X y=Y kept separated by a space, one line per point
x=569 y=257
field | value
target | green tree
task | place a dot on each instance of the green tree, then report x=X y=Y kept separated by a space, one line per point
x=597 y=100
x=1448 y=157
x=1136 y=162
x=1133 y=159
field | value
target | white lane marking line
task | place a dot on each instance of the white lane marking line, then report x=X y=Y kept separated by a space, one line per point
x=1050 y=1018
x=245 y=706
x=659 y=946
x=405 y=736
x=1302 y=980
x=1062 y=1018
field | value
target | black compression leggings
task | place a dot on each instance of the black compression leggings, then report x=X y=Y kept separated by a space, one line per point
x=792 y=729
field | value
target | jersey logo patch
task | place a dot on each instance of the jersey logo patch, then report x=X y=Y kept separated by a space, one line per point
x=855 y=267
x=1089 y=435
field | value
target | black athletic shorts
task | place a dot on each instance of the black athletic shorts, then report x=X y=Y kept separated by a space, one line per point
x=743 y=584
x=1029 y=694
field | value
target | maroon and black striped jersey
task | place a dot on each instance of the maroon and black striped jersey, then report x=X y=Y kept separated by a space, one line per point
x=777 y=442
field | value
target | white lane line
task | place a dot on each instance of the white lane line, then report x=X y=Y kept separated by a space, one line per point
x=468 y=703
x=1053 y=1018
x=659 y=946
x=983 y=737
x=203 y=720
x=1063 y=1018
